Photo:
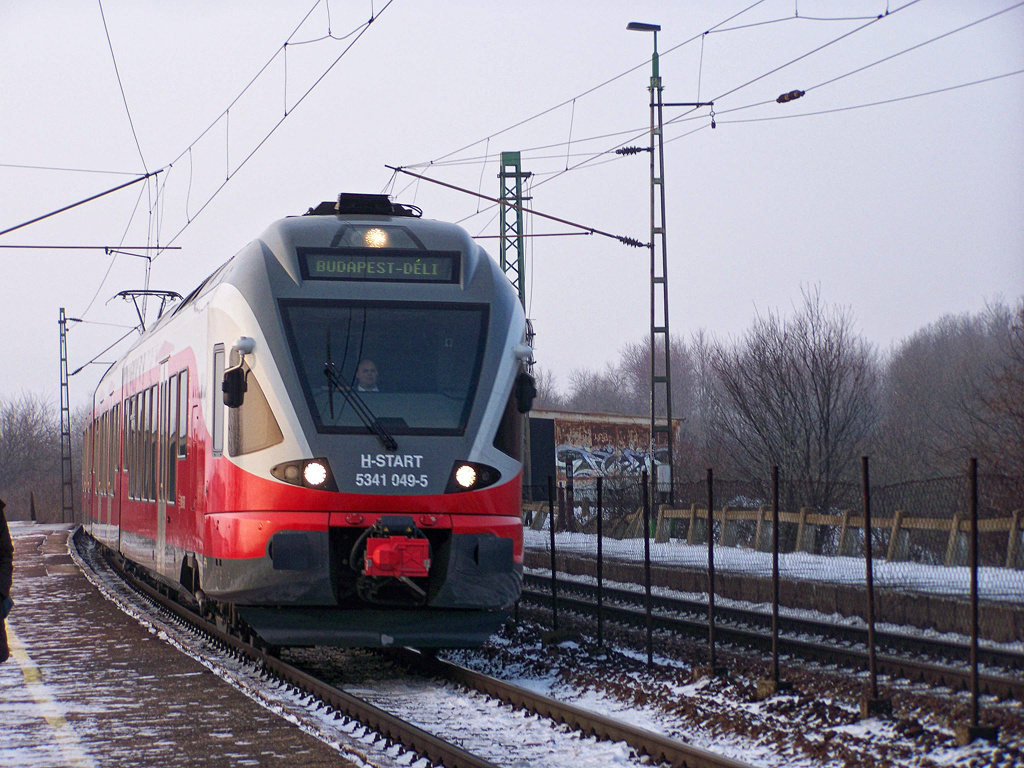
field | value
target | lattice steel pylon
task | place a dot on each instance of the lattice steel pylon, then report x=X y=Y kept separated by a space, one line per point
x=67 y=492
x=512 y=238
x=661 y=374
x=661 y=359
x=512 y=221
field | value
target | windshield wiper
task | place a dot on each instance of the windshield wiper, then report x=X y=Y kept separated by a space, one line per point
x=335 y=382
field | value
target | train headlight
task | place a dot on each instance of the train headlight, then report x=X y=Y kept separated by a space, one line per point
x=376 y=238
x=465 y=476
x=470 y=476
x=315 y=474
x=308 y=473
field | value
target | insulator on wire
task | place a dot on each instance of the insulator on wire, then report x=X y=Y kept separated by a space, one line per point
x=632 y=242
x=631 y=150
x=791 y=96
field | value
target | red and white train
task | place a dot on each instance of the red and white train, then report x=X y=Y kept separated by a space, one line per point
x=321 y=443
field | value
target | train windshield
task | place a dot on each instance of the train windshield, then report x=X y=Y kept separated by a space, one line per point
x=406 y=368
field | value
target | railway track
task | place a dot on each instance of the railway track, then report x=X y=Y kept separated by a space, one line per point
x=417 y=740
x=804 y=638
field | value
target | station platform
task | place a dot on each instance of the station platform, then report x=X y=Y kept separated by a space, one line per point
x=88 y=685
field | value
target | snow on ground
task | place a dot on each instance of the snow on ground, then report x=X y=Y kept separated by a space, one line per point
x=817 y=724
x=613 y=681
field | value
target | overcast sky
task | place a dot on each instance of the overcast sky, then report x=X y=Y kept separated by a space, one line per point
x=901 y=212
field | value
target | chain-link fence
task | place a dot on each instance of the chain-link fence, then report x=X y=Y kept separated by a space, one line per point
x=920 y=536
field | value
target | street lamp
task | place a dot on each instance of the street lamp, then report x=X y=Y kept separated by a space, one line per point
x=661 y=383
x=639 y=26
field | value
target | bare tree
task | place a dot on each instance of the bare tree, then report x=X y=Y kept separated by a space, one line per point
x=1001 y=422
x=547 y=391
x=634 y=375
x=703 y=444
x=597 y=392
x=953 y=390
x=996 y=411
x=800 y=394
x=30 y=457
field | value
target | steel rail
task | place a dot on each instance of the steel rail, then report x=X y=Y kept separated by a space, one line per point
x=935 y=674
x=934 y=647
x=416 y=740
x=661 y=749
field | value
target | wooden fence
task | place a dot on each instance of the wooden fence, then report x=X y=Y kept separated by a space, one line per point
x=729 y=526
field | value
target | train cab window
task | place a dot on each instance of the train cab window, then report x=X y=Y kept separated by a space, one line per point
x=252 y=426
x=427 y=357
x=218 y=400
x=509 y=437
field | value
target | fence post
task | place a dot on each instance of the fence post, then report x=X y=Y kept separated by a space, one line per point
x=870 y=705
x=570 y=498
x=1014 y=542
x=713 y=668
x=551 y=519
x=600 y=561
x=766 y=688
x=760 y=522
x=973 y=730
x=647 y=570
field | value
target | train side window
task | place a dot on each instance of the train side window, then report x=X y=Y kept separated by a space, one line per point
x=171 y=447
x=98 y=457
x=86 y=460
x=104 y=444
x=131 y=463
x=149 y=479
x=126 y=459
x=115 y=445
x=252 y=426
x=217 y=400
x=183 y=415
x=170 y=429
x=151 y=416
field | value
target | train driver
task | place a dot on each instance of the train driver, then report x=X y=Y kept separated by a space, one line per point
x=366 y=376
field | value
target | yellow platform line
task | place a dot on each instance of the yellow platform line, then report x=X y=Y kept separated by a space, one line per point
x=70 y=745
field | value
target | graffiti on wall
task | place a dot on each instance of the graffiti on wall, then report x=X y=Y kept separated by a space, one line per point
x=601 y=448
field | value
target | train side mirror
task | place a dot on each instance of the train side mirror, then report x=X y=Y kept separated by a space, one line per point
x=234 y=387
x=525 y=391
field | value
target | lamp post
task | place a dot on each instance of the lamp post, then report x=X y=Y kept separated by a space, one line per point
x=661 y=382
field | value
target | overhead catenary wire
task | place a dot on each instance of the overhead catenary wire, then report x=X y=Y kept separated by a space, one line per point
x=717 y=28
x=67 y=170
x=591 y=90
x=273 y=129
x=120 y=85
x=689 y=115
x=594 y=158
x=108 y=249
x=879 y=103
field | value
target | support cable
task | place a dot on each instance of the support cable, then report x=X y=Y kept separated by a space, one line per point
x=81 y=202
x=622 y=239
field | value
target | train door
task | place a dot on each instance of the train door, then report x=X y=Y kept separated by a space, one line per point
x=160 y=414
x=196 y=468
x=127 y=442
x=110 y=458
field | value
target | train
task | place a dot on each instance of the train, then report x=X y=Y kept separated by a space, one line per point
x=321 y=444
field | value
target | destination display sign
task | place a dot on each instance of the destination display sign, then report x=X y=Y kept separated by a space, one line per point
x=374 y=265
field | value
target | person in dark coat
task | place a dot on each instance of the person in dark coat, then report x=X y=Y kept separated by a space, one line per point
x=6 y=576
